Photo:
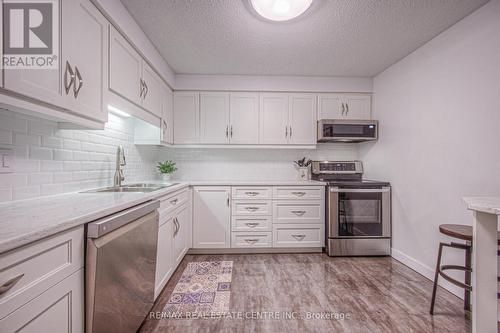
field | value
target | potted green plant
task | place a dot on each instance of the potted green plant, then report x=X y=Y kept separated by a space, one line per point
x=166 y=169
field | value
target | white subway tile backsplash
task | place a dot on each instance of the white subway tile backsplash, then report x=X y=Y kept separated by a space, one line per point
x=11 y=122
x=13 y=180
x=63 y=177
x=5 y=194
x=21 y=139
x=52 y=142
x=38 y=178
x=71 y=144
x=20 y=193
x=71 y=166
x=63 y=155
x=40 y=153
x=51 y=189
x=5 y=137
x=41 y=127
x=51 y=166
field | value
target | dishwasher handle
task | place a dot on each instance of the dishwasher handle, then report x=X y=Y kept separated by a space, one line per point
x=107 y=224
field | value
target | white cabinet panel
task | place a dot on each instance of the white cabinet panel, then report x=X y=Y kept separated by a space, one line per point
x=244 y=120
x=167 y=119
x=186 y=117
x=211 y=217
x=298 y=235
x=251 y=192
x=255 y=207
x=303 y=211
x=251 y=239
x=164 y=256
x=302 y=119
x=299 y=192
x=273 y=118
x=87 y=52
x=330 y=106
x=251 y=223
x=357 y=106
x=182 y=232
x=214 y=118
x=60 y=309
x=152 y=97
x=125 y=68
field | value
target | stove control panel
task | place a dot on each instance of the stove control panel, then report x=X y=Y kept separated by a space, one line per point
x=337 y=167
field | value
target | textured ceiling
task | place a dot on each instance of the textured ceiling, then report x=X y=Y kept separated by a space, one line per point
x=333 y=38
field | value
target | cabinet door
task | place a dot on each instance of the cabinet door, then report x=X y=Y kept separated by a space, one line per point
x=357 y=106
x=60 y=309
x=125 y=68
x=244 y=118
x=167 y=119
x=330 y=106
x=87 y=51
x=181 y=234
x=214 y=115
x=164 y=256
x=211 y=217
x=42 y=84
x=152 y=98
x=186 y=117
x=302 y=119
x=273 y=118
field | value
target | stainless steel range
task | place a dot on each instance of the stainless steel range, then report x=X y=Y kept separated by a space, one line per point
x=358 y=211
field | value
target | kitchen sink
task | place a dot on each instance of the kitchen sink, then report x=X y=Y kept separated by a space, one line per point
x=139 y=188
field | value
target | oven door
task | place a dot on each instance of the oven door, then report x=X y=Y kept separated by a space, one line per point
x=359 y=213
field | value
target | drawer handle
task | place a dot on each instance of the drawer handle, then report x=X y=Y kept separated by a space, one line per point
x=299 y=237
x=9 y=284
x=251 y=241
x=252 y=224
x=299 y=212
x=252 y=209
x=174 y=201
x=299 y=194
x=252 y=194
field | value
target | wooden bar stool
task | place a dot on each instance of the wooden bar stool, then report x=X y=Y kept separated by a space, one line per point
x=462 y=232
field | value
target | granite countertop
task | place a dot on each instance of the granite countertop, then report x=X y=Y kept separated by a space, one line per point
x=490 y=205
x=26 y=221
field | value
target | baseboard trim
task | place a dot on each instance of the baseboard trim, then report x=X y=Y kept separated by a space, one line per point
x=256 y=250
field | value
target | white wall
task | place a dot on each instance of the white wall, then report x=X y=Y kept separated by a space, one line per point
x=439 y=113
x=249 y=164
x=51 y=161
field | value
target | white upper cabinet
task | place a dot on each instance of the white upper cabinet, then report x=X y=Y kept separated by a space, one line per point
x=167 y=122
x=88 y=54
x=214 y=118
x=78 y=85
x=186 y=117
x=344 y=106
x=244 y=119
x=153 y=91
x=273 y=118
x=125 y=68
x=302 y=119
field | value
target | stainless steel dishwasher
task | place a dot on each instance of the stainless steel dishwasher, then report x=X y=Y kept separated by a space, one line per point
x=120 y=269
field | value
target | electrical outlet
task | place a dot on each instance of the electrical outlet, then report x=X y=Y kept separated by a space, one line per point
x=6 y=160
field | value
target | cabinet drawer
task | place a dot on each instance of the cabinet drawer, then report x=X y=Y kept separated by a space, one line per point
x=251 y=223
x=303 y=211
x=303 y=192
x=39 y=266
x=251 y=239
x=173 y=200
x=251 y=192
x=298 y=235
x=246 y=207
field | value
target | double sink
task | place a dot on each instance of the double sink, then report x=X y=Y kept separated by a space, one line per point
x=139 y=187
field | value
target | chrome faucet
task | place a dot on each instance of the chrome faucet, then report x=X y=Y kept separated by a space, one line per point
x=120 y=161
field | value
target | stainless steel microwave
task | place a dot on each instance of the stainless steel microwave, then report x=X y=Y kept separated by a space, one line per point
x=336 y=130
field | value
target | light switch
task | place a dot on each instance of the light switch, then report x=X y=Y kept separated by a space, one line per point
x=6 y=160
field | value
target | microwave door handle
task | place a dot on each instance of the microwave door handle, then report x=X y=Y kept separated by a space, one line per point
x=360 y=190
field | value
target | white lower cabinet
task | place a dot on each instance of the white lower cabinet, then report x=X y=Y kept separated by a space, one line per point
x=164 y=255
x=211 y=217
x=298 y=235
x=182 y=233
x=251 y=239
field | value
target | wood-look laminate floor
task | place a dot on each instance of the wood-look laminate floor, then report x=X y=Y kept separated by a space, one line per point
x=378 y=294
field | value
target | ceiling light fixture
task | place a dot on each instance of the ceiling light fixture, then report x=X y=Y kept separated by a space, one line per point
x=280 y=10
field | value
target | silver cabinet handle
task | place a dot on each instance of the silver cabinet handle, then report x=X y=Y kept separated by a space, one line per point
x=141 y=88
x=174 y=201
x=286 y=131
x=299 y=194
x=177 y=226
x=165 y=126
x=346 y=109
x=252 y=209
x=252 y=224
x=228 y=200
x=227 y=131
x=9 y=284
x=299 y=237
x=252 y=194
x=290 y=131
x=80 y=82
x=251 y=241
x=231 y=131
x=343 y=108
x=145 y=89
x=68 y=70
x=299 y=212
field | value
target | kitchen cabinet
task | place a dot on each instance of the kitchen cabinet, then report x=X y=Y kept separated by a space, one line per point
x=167 y=119
x=344 y=106
x=214 y=118
x=182 y=233
x=186 y=117
x=211 y=217
x=164 y=255
x=273 y=118
x=78 y=84
x=131 y=77
x=287 y=118
x=244 y=118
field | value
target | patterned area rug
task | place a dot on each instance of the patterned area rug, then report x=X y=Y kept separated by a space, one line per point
x=202 y=291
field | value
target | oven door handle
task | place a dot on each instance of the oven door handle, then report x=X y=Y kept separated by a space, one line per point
x=360 y=190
